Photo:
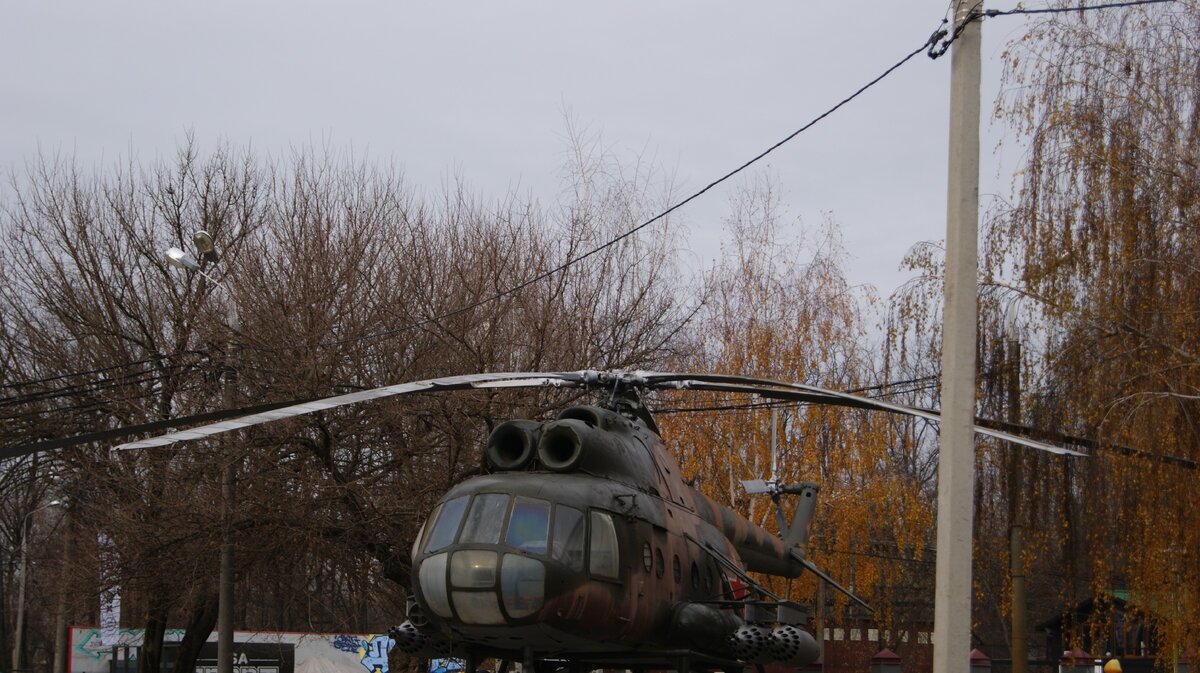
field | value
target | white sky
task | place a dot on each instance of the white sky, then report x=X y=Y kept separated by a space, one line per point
x=479 y=89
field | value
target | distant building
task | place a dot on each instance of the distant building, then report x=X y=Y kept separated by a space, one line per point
x=1113 y=625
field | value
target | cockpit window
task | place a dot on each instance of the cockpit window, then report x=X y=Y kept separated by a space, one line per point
x=569 y=530
x=485 y=519
x=416 y=545
x=448 y=516
x=529 y=526
x=603 y=558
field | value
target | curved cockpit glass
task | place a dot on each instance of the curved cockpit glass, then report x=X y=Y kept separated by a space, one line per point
x=485 y=519
x=489 y=586
x=529 y=525
x=446 y=518
x=603 y=557
x=568 y=538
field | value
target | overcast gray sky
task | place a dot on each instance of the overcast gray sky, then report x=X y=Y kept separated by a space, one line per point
x=479 y=89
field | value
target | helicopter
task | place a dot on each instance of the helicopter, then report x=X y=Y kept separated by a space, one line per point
x=584 y=547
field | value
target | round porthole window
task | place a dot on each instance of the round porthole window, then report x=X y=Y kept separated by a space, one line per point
x=675 y=569
x=647 y=557
x=660 y=566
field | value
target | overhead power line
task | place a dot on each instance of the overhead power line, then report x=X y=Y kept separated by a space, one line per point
x=611 y=242
x=579 y=258
x=90 y=372
x=942 y=39
x=936 y=45
x=1063 y=10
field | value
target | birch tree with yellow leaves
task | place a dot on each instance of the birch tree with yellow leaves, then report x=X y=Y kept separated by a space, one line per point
x=1103 y=241
x=779 y=306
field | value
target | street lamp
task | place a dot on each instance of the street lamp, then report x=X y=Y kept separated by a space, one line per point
x=186 y=261
x=18 y=657
x=181 y=259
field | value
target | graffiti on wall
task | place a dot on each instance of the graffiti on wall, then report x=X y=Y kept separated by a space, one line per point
x=90 y=643
x=372 y=650
x=345 y=643
x=373 y=654
x=445 y=665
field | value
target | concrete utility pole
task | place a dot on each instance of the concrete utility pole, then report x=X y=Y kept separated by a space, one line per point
x=61 y=625
x=208 y=254
x=1016 y=512
x=228 y=493
x=18 y=653
x=228 y=502
x=956 y=458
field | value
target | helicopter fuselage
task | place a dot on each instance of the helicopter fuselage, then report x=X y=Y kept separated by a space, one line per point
x=608 y=555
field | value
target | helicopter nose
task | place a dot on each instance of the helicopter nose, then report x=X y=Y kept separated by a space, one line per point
x=477 y=583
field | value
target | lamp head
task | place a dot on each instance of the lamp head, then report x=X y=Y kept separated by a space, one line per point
x=181 y=259
x=204 y=245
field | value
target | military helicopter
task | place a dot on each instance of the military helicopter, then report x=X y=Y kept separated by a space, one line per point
x=585 y=548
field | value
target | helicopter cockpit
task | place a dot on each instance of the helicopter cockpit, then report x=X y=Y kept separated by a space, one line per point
x=488 y=558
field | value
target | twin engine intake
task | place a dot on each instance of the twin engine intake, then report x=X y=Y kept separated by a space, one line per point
x=583 y=438
x=555 y=446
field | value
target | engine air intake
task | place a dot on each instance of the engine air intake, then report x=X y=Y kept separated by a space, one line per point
x=561 y=445
x=512 y=445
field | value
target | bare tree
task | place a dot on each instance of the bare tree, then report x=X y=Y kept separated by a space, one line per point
x=342 y=280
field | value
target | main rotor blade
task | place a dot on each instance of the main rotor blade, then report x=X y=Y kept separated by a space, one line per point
x=499 y=380
x=589 y=378
x=800 y=392
x=105 y=436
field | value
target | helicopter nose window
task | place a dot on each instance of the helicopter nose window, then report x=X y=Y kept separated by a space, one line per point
x=432 y=576
x=416 y=545
x=485 y=519
x=529 y=525
x=473 y=569
x=523 y=585
x=569 y=530
x=448 y=516
x=477 y=607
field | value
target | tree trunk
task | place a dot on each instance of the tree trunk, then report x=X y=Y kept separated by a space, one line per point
x=201 y=621
x=62 y=625
x=5 y=650
x=156 y=628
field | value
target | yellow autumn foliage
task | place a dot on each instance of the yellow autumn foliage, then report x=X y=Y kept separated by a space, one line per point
x=779 y=307
x=1100 y=248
